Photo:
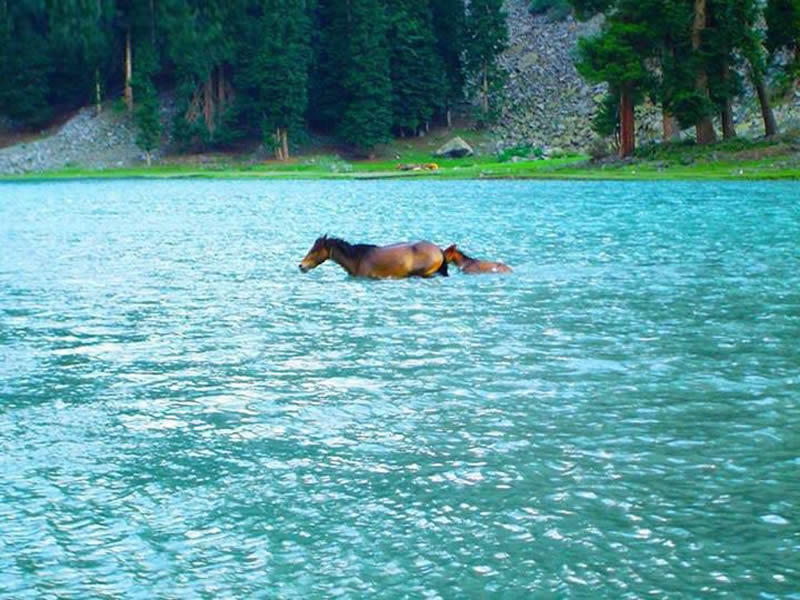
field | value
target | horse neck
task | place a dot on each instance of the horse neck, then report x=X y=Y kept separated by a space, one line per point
x=460 y=258
x=341 y=255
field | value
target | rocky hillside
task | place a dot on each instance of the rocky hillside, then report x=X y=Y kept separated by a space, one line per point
x=548 y=104
x=86 y=140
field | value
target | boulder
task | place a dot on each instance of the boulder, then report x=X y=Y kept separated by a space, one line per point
x=455 y=148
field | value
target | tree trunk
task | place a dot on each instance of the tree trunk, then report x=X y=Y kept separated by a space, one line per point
x=485 y=91
x=128 y=72
x=147 y=157
x=704 y=127
x=626 y=123
x=726 y=116
x=669 y=126
x=153 y=22
x=221 y=89
x=704 y=131
x=98 y=99
x=208 y=104
x=770 y=125
x=285 y=143
x=449 y=118
x=278 y=141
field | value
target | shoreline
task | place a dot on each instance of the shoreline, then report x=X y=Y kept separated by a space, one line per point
x=743 y=171
x=736 y=160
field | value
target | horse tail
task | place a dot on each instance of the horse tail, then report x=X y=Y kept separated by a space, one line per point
x=442 y=270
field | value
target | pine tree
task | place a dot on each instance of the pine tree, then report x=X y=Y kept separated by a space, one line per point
x=79 y=40
x=201 y=47
x=24 y=62
x=367 y=115
x=669 y=64
x=147 y=105
x=754 y=53
x=617 y=56
x=417 y=73
x=448 y=27
x=671 y=59
x=272 y=71
x=726 y=32
x=703 y=108
x=330 y=60
x=486 y=38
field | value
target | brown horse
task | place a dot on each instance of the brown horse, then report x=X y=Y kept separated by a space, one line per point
x=467 y=264
x=417 y=259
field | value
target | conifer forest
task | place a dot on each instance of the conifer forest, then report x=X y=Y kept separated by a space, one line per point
x=363 y=71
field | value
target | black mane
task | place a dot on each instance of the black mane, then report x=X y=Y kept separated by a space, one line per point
x=351 y=251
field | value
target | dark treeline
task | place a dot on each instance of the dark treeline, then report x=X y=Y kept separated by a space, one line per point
x=361 y=70
x=693 y=57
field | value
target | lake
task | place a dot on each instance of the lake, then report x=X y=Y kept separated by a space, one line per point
x=183 y=414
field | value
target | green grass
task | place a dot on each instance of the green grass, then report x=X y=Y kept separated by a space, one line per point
x=736 y=159
x=477 y=168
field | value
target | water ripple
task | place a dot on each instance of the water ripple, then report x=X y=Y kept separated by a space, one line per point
x=183 y=414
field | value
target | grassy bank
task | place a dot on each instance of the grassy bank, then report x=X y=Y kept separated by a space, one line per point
x=736 y=159
x=564 y=168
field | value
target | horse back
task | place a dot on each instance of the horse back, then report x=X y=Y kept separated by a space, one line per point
x=403 y=260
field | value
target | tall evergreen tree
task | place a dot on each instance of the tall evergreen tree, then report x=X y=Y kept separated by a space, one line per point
x=127 y=20
x=80 y=42
x=330 y=58
x=702 y=107
x=448 y=27
x=670 y=63
x=367 y=114
x=734 y=47
x=417 y=73
x=272 y=71
x=486 y=38
x=675 y=56
x=617 y=56
x=754 y=53
x=25 y=67
x=147 y=104
x=200 y=48
x=726 y=34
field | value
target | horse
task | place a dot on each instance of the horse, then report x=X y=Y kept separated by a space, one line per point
x=467 y=264
x=415 y=259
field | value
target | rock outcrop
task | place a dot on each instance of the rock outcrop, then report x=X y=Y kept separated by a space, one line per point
x=86 y=140
x=455 y=148
x=547 y=103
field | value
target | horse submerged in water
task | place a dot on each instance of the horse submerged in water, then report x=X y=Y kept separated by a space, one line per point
x=467 y=264
x=415 y=259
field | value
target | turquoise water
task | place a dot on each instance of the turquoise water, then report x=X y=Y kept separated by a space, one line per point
x=183 y=414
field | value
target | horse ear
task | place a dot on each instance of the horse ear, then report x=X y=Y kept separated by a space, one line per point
x=325 y=237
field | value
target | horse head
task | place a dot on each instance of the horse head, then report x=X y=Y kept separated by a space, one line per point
x=319 y=253
x=452 y=253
